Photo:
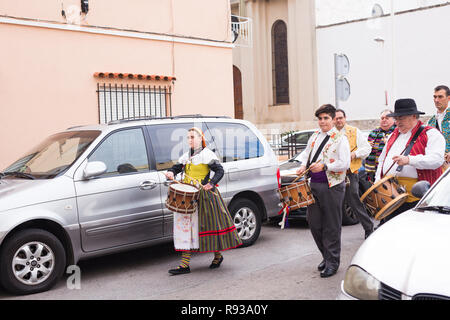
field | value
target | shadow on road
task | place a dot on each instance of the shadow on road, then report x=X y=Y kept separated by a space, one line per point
x=295 y=223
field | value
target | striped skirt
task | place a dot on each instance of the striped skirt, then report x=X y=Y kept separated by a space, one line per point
x=217 y=231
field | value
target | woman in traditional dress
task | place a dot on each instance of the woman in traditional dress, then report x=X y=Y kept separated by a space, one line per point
x=210 y=228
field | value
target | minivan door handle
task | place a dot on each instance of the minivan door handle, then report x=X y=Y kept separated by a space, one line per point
x=147 y=185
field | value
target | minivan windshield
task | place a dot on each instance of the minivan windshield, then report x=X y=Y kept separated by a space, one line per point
x=438 y=199
x=51 y=157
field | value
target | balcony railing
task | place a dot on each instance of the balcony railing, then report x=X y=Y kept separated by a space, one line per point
x=242 y=32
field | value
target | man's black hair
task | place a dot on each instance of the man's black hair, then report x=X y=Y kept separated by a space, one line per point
x=328 y=109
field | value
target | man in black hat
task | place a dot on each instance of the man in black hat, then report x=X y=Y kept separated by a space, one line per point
x=414 y=152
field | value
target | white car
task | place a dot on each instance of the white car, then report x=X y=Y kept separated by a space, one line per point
x=406 y=258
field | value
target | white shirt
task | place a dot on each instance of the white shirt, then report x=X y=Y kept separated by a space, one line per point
x=342 y=163
x=440 y=117
x=363 y=147
x=433 y=158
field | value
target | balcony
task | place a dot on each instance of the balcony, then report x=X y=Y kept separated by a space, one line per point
x=241 y=31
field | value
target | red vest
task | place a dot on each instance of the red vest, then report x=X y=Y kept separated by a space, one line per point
x=418 y=148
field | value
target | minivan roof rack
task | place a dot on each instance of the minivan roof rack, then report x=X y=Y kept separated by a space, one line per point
x=183 y=116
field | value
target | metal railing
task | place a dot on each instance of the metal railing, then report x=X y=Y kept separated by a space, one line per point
x=283 y=146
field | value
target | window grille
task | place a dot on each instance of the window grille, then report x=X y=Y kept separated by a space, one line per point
x=118 y=102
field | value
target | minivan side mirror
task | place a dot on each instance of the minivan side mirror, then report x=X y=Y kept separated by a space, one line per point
x=420 y=188
x=94 y=168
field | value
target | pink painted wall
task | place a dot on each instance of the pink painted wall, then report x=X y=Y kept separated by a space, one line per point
x=198 y=18
x=46 y=75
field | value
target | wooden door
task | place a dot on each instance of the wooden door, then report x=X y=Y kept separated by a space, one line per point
x=237 y=82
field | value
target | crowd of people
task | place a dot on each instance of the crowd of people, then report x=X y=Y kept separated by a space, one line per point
x=402 y=146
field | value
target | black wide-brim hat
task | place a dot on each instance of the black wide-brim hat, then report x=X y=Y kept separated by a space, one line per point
x=405 y=107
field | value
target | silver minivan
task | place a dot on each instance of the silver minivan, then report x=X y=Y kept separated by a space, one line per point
x=100 y=189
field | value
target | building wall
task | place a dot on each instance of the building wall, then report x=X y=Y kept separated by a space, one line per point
x=336 y=11
x=418 y=63
x=255 y=64
x=47 y=66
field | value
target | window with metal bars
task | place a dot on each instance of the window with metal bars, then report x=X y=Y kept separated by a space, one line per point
x=116 y=102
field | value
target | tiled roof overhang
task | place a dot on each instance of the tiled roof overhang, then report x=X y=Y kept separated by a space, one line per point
x=115 y=75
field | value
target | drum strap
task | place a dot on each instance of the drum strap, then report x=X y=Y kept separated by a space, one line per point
x=411 y=144
x=316 y=155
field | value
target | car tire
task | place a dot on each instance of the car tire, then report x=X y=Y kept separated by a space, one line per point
x=31 y=261
x=247 y=219
x=349 y=217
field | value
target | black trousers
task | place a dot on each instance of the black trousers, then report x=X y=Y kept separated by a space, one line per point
x=352 y=200
x=325 y=221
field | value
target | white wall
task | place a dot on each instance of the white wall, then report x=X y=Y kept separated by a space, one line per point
x=335 y=11
x=421 y=61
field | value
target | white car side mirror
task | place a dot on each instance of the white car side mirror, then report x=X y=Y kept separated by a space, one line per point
x=94 y=168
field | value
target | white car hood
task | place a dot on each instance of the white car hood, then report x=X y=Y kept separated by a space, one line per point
x=410 y=253
x=16 y=193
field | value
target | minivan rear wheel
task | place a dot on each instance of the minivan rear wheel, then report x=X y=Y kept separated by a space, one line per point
x=31 y=261
x=247 y=219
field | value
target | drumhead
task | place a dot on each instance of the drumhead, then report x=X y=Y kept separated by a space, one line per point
x=293 y=185
x=183 y=187
x=391 y=206
x=374 y=186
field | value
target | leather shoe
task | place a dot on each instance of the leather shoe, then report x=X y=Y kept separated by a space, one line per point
x=321 y=266
x=180 y=270
x=215 y=265
x=328 y=272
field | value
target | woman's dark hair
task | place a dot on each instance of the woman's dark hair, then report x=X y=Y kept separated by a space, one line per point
x=328 y=109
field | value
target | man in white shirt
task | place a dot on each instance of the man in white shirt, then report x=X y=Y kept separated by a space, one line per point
x=441 y=120
x=327 y=158
x=424 y=160
x=359 y=149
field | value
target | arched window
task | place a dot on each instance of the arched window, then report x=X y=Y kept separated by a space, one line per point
x=280 y=68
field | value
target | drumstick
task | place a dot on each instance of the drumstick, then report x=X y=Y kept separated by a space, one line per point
x=301 y=175
x=305 y=172
x=393 y=163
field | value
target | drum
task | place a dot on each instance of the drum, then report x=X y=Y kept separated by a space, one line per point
x=384 y=197
x=296 y=195
x=182 y=198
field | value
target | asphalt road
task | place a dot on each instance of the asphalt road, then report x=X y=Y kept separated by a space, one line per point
x=281 y=265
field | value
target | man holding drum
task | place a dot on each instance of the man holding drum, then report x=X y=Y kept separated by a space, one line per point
x=411 y=162
x=327 y=158
x=210 y=228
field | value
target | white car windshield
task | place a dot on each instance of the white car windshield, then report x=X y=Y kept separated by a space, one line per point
x=438 y=199
x=51 y=157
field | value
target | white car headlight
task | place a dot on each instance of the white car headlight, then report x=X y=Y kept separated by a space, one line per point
x=361 y=285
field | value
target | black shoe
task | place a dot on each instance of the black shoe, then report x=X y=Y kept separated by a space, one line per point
x=215 y=264
x=328 y=272
x=321 y=266
x=367 y=234
x=180 y=270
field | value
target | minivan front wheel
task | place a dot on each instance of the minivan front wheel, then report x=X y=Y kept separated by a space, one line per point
x=247 y=219
x=31 y=261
